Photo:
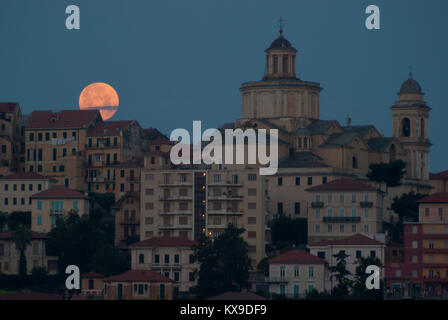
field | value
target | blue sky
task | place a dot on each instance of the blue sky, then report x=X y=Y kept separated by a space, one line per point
x=173 y=62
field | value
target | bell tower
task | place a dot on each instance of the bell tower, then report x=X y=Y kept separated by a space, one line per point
x=410 y=116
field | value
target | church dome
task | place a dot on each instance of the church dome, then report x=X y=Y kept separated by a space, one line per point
x=410 y=86
x=281 y=43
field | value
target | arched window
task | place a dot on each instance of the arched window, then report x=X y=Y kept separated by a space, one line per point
x=405 y=127
x=422 y=128
x=275 y=64
x=285 y=64
x=141 y=259
x=392 y=152
x=354 y=163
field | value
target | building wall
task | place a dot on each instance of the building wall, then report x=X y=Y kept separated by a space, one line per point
x=21 y=191
x=11 y=141
x=127 y=219
x=111 y=291
x=44 y=214
x=35 y=254
x=183 y=268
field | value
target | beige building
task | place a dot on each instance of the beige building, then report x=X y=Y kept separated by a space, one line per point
x=127 y=219
x=17 y=189
x=12 y=144
x=56 y=202
x=35 y=253
x=342 y=208
x=92 y=286
x=355 y=247
x=56 y=143
x=138 y=285
x=171 y=257
x=296 y=273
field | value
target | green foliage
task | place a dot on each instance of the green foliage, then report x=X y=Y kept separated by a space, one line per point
x=406 y=205
x=22 y=237
x=389 y=173
x=22 y=264
x=132 y=239
x=360 y=290
x=316 y=295
x=224 y=263
x=17 y=218
x=340 y=273
x=87 y=243
x=287 y=232
x=105 y=200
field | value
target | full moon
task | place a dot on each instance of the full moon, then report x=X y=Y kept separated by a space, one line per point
x=99 y=96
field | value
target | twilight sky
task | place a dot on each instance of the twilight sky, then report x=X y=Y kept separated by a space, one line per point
x=173 y=62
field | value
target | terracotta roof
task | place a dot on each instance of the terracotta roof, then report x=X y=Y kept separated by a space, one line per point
x=10 y=234
x=91 y=275
x=237 y=296
x=8 y=107
x=109 y=128
x=24 y=176
x=59 y=191
x=435 y=198
x=153 y=133
x=298 y=257
x=440 y=175
x=165 y=242
x=343 y=185
x=139 y=275
x=30 y=296
x=354 y=240
x=61 y=119
x=161 y=141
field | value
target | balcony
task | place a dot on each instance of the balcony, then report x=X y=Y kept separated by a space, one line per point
x=176 y=226
x=175 y=198
x=342 y=219
x=180 y=212
x=129 y=221
x=366 y=204
x=225 y=197
x=276 y=279
x=225 y=183
x=175 y=183
x=225 y=212
x=166 y=265
x=317 y=204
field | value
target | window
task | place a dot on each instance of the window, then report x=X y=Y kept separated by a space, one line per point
x=414 y=259
x=296 y=272
x=341 y=198
x=317 y=213
x=330 y=228
x=252 y=177
x=251 y=220
x=373 y=254
x=167 y=259
x=414 y=229
x=176 y=276
x=330 y=198
x=297 y=208
x=176 y=259
x=252 y=205
x=141 y=259
x=280 y=207
x=414 y=244
x=310 y=181
x=156 y=259
x=282 y=272
x=405 y=127
x=341 y=228
x=39 y=220
x=191 y=276
x=353 y=228
x=398 y=273
x=310 y=272
x=162 y=291
x=39 y=205
x=358 y=254
x=191 y=258
x=317 y=228
x=31 y=136
x=297 y=181
x=329 y=212
x=354 y=162
x=324 y=180
x=280 y=181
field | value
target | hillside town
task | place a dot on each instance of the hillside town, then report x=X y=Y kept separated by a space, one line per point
x=105 y=196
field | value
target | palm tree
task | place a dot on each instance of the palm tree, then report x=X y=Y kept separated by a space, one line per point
x=22 y=237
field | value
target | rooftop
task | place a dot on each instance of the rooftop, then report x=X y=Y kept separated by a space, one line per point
x=435 y=198
x=297 y=257
x=10 y=235
x=59 y=191
x=8 y=107
x=24 y=176
x=343 y=185
x=109 y=128
x=354 y=240
x=62 y=119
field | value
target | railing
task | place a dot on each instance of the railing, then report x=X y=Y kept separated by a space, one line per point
x=341 y=219
x=175 y=197
x=175 y=183
x=225 y=183
x=176 y=226
x=317 y=204
x=56 y=211
x=162 y=212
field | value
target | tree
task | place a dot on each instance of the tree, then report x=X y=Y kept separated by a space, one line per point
x=17 y=218
x=389 y=173
x=288 y=232
x=406 y=206
x=340 y=273
x=22 y=237
x=224 y=263
x=360 y=290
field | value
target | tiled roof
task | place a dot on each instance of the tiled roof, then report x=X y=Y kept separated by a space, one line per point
x=435 y=198
x=237 y=296
x=59 y=191
x=30 y=296
x=109 y=128
x=165 y=242
x=379 y=144
x=10 y=235
x=354 y=240
x=317 y=127
x=8 y=107
x=24 y=176
x=153 y=134
x=302 y=160
x=297 y=257
x=343 y=185
x=440 y=175
x=139 y=275
x=91 y=275
x=362 y=130
x=62 y=119
x=340 y=139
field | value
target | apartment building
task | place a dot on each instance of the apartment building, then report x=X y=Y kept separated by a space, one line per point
x=127 y=177
x=12 y=144
x=109 y=144
x=127 y=219
x=92 y=286
x=296 y=273
x=54 y=203
x=190 y=202
x=171 y=257
x=138 y=285
x=355 y=247
x=35 y=253
x=342 y=208
x=55 y=144
x=17 y=189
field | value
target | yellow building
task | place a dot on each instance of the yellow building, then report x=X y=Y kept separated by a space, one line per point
x=12 y=145
x=127 y=218
x=17 y=189
x=54 y=203
x=56 y=143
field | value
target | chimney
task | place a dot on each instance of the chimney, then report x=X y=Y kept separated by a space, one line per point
x=349 y=121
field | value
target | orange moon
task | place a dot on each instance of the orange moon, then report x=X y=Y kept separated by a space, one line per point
x=99 y=96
